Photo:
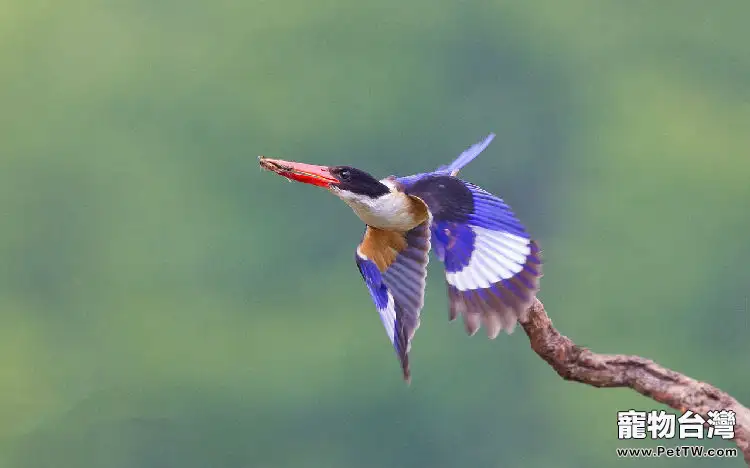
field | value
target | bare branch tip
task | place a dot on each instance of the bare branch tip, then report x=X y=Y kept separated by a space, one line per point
x=579 y=364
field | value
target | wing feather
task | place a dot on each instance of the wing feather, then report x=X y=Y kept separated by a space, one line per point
x=492 y=266
x=394 y=267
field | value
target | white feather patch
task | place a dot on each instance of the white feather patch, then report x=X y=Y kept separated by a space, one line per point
x=497 y=256
x=390 y=211
x=388 y=316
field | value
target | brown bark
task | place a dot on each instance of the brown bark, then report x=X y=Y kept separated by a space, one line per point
x=578 y=364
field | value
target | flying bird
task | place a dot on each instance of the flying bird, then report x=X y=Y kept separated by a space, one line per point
x=492 y=265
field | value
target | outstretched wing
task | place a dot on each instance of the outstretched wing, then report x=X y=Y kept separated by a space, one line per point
x=394 y=267
x=492 y=266
x=468 y=155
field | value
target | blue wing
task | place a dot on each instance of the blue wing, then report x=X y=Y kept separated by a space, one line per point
x=492 y=266
x=394 y=268
x=452 y=169
x=466 y=157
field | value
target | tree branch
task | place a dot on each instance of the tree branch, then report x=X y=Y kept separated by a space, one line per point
x=578 y=364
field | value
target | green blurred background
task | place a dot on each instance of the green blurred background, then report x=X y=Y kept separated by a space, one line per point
x=163 y=303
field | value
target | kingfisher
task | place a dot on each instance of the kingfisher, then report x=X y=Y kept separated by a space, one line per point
x=492 y=265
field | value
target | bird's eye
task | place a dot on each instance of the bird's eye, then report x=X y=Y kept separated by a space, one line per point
x=345 y=174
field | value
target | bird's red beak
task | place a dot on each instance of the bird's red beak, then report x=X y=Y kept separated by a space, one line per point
x=300 y=172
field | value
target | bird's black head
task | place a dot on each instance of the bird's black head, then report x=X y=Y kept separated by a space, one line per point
x=357 y=182
x=347 y=182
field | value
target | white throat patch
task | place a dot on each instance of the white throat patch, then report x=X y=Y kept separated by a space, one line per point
x=390 y=211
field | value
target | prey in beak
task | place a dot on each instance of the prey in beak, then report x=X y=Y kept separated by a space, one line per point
x=300 y=172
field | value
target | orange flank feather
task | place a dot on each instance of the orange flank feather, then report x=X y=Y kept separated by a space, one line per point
x=382 y=247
